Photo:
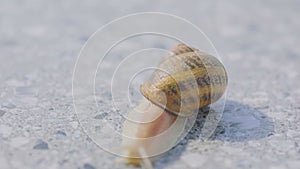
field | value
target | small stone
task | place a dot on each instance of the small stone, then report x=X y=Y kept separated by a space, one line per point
x=88 y=166
x=100 y=116
x=60 y=133
x=2 y=112
x=40 y=145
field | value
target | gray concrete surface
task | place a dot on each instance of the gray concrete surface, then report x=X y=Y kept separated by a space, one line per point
x=259 y=43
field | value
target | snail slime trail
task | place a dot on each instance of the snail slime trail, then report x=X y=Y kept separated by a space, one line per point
x=162 y=112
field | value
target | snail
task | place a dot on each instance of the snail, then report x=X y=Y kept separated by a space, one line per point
x=185 y=81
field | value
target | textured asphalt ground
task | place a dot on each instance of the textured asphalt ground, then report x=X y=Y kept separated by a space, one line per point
x=259 y=44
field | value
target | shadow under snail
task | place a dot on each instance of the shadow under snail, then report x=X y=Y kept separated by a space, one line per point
x=185 y=81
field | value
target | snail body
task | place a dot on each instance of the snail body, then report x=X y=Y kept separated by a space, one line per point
x=185 y=81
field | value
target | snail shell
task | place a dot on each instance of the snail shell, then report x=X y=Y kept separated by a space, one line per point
x=186 y=81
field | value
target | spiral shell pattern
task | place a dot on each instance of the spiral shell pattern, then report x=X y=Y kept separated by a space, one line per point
x=186 y=81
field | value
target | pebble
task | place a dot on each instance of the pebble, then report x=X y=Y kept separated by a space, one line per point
x=100 y=116
x=60 y=133
x=41 y=145
x=88 y=166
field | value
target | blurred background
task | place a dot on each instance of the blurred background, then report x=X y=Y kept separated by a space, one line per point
x=258 y=42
